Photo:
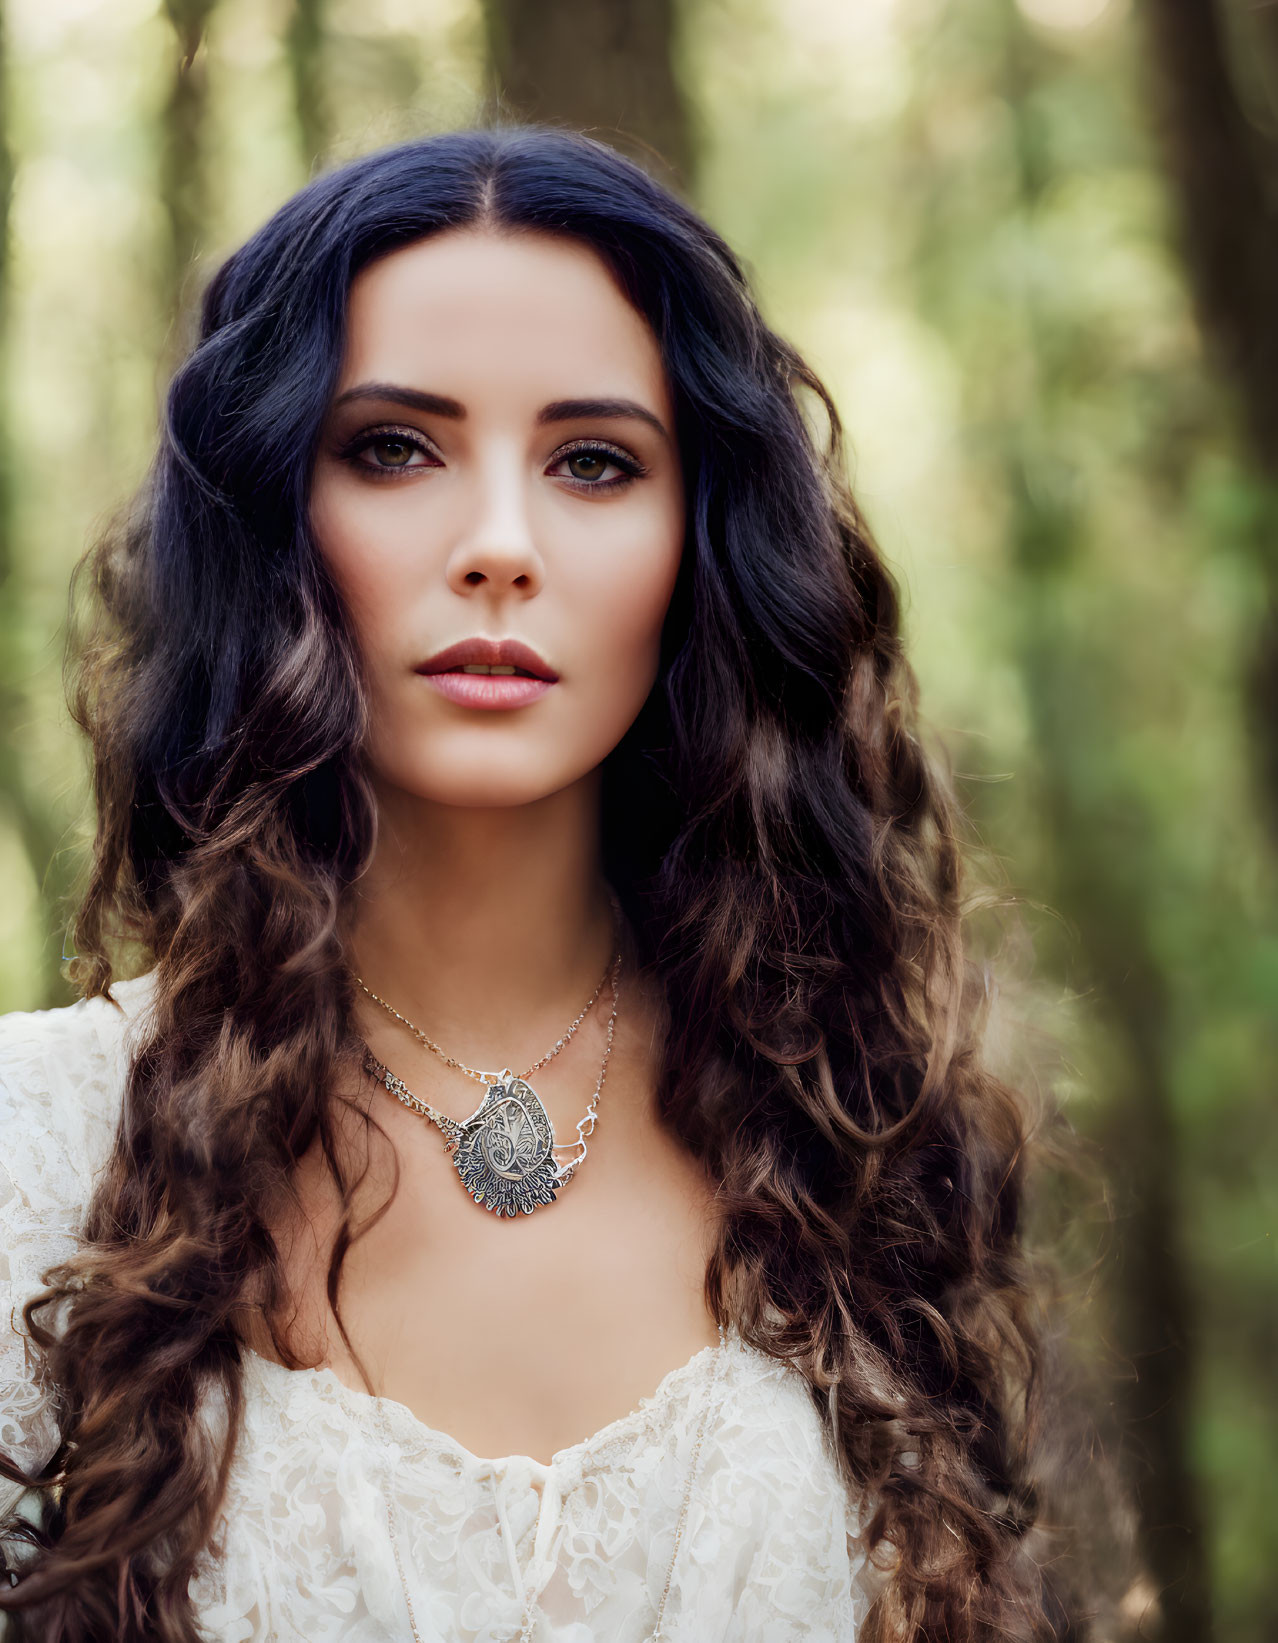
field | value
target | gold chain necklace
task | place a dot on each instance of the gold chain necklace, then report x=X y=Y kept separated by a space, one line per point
x=504 y=1152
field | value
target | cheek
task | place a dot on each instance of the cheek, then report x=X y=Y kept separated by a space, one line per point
x=617 y=601
x=370 y=554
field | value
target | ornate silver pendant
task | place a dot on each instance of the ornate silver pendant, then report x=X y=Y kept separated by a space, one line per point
x=503 y=1150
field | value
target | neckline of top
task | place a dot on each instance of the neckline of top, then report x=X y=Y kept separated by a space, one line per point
x=400 y=1416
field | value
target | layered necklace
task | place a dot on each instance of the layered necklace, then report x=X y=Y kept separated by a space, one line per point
x=505 y=1151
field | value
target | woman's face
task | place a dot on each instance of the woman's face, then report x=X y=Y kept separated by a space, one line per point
x=498 y=468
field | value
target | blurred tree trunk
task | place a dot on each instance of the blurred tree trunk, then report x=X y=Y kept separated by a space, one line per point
x=183 y=180
x=22 y=797
x=304 y=43
x=603 y=66
x=1224 y=174
x=1111 y=906
x=1155 y=1312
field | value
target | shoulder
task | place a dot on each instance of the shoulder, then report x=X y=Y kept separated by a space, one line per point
x=62 y=1076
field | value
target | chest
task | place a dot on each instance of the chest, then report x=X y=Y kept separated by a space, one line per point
x=518 y=1335
x=718 y=1516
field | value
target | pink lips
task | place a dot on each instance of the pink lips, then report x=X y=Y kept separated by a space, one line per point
x=487 y=691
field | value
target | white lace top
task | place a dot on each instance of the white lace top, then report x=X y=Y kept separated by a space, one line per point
x=712 y=1513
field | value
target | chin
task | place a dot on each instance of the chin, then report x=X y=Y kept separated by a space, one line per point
x=494 y=784
x=492 y=794
x=487 y=772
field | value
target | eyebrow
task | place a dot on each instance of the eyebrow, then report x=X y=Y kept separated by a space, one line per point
x=559 y=410
x=575 y=410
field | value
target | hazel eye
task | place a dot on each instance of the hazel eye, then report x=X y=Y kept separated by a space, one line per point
x=392 y=452
x=385 y=452
x=587 y=467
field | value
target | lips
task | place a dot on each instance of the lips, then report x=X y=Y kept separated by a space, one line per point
x=445 y=672
x=490 y=653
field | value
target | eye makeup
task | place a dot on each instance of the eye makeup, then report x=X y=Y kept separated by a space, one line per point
x=352 y=452
x=352 y=449
x=630 y=466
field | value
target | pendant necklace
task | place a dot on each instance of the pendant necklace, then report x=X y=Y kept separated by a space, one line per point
x=504 y=1152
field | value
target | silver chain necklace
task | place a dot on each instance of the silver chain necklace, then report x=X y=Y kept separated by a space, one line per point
x=473 y=1072
x=504 y=1152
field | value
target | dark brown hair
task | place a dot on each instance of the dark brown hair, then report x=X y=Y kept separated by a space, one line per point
x=785 y=850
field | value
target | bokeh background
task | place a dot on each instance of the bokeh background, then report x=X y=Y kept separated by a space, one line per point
x=1032 y=246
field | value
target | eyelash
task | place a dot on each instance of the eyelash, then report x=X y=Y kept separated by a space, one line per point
x=631 y=467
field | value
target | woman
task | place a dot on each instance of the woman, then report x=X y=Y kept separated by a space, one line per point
x=542 y=1183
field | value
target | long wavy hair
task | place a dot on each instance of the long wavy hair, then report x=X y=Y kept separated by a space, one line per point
x=792 y=876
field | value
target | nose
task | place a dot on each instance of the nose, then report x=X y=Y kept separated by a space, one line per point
x=496 y=551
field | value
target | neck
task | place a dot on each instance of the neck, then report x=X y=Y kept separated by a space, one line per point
x=487 y=928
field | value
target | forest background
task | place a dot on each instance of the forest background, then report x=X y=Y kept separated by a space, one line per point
x=1032 y=246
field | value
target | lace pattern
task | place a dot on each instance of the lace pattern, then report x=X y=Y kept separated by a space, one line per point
x=770 y=1552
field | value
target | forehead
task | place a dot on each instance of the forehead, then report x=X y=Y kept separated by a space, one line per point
x=470 y=311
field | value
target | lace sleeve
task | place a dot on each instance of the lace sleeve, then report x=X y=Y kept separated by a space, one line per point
x=60 y=1077
x=37 y=1229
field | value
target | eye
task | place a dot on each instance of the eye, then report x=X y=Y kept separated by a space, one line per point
x=391 y=449
x=588 y=463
